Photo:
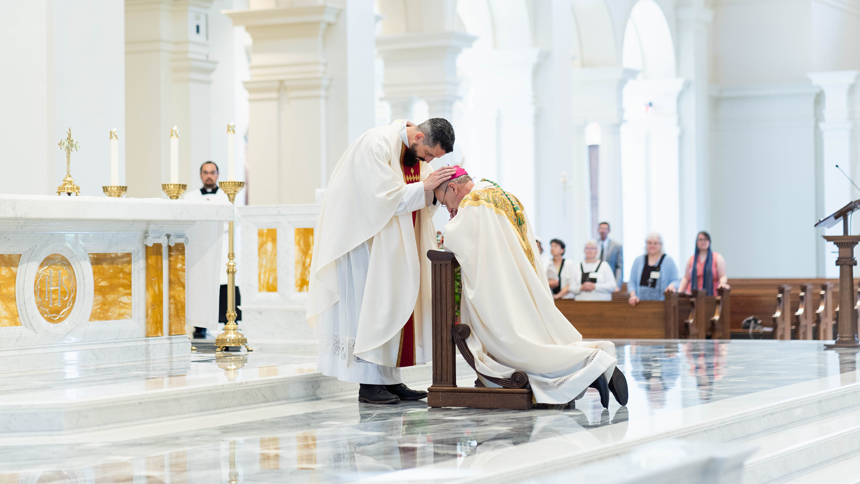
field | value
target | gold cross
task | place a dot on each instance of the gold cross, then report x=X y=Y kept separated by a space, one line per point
x=68 y=145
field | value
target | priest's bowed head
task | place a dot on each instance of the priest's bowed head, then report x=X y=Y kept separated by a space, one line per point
x=370 y=283
x=507 y=302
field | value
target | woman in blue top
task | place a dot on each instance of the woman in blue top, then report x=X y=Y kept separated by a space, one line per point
x=653 y=273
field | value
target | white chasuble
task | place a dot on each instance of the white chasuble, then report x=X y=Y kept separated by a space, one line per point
x=370 y=273
x=508 y=304
x=205 y=262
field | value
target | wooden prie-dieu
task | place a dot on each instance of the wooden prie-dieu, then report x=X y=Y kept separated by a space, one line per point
x=515 y=392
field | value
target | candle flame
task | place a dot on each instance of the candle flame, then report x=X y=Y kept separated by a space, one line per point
x=231 y=128
x=113 y=134
x=174 y=133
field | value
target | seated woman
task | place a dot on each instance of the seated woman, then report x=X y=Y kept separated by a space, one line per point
x=559 y=271
x=653 y=273
x=592 y=280
x=709 y=270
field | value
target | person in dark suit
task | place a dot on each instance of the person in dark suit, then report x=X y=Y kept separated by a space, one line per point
x=611 y=253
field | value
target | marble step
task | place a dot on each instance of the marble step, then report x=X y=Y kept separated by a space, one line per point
x=843 y=471
x=731 y=421
x=801 y=448
x=209 y=387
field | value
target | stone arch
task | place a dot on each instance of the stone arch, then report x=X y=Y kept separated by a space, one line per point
x=594 y=34
x=648 y=45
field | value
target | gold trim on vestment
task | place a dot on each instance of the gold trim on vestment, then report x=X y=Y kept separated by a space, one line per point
x=495 y=199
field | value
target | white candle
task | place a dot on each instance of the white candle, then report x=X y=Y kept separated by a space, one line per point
x=231 y=152
x=174 y=155
x=114 y=158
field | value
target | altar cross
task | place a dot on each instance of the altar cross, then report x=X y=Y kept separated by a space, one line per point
x=68 y=145
x=68 y=187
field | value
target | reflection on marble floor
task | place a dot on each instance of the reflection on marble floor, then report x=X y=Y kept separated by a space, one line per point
x=339 y=440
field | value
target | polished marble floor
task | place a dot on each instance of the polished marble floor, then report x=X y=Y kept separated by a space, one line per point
x=672 y=383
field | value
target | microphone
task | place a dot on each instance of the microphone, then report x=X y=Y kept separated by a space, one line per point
x=848 y=177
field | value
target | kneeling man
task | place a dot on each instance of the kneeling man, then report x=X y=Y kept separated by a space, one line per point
x=508 y=304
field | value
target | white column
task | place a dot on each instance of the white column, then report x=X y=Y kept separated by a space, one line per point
x=837 y=136
x=598 y=98
x=168 y=77
x=694 y=30
x=559 y=166
x=503 y=126
x=650 y=165
x=350 y=63
x=287 y=158
x=422 y=65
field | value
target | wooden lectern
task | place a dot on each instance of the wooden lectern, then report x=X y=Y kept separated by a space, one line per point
x=847 y=337
x=515 y=393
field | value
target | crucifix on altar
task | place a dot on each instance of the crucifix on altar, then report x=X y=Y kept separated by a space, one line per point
x=68 y=186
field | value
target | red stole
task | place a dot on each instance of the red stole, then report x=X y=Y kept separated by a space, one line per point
x=406 y=355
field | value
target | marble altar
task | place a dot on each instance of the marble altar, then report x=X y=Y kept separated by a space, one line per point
x=94 y=280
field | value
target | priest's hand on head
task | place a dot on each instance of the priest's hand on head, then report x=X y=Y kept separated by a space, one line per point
x=439 y=177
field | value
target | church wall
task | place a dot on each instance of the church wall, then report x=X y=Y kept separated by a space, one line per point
x=763 y=181
x=89 y=80
x=761 y=42
x=835 y=37
x=28 y=142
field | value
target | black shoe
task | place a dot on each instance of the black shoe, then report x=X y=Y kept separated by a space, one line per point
x=376 y=394
x=199 y=333
x=618 y=387
x=603 y=389
x=406 y=393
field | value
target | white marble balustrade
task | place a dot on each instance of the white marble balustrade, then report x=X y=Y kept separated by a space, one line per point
x=277 y=242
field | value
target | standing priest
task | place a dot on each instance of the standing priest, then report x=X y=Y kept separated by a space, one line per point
x=370 y=281
x=508 y=304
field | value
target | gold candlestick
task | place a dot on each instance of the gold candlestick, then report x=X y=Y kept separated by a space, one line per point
x=231 y=335
x=173 y=190
x=115 y=191
x=68 y=186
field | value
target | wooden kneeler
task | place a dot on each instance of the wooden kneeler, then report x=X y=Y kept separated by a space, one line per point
x=515 y=394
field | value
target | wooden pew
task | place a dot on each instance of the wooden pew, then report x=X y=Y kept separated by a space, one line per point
x=781 y=318
x=679 y=316
x=755 y=297
x=515 y=394
x=803 y=318
x=824 y=315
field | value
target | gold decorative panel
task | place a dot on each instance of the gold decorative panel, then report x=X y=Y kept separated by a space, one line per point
x=111 y=286
x=56 y=288
x=176 y=263
x=270 y=453
x=304 y=251
x=8 y=302
x=154 y=291
x=267 y=260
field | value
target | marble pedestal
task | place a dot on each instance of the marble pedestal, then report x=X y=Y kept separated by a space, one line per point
x=94 y=280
